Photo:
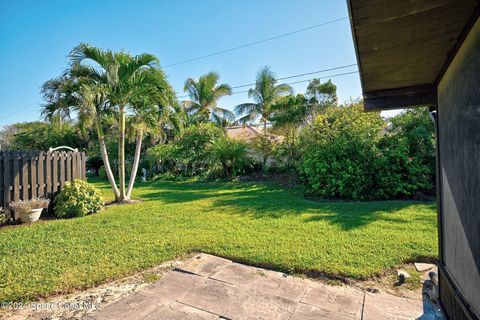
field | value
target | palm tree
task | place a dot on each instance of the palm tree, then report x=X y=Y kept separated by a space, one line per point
x=122 y=74
x=153 y=107
x=67 y=94
x=204 y=95
x=224 y=121
x=265 y=94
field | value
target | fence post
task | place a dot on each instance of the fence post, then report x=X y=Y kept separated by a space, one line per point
x=40 y=181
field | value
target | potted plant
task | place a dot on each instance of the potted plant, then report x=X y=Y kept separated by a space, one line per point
x=29 y=210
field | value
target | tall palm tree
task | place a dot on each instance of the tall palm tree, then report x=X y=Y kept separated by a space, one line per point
x=122 y=75
x=265 y=94
x=204 y=94
x=67 y=94
x=153 y=107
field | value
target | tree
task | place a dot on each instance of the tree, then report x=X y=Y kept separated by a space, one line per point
x=320 y=96
x=288 y=116
x=265 y=145
x=222 y=121
x=121 y=74
x=73 y=92
x=204 y=94
x=265 y=94
x=289 y=113
x=153 y=107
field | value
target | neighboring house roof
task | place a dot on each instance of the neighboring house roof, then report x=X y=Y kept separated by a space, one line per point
x=246 y=133
x=404 y=47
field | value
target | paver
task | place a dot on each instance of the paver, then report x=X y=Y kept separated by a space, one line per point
x=210 y=288
x=279 y=284
x=178 y=311
x=238 y=274
x=135 y=306
x=205 y=265
x=379 y=306
x=337 y=299
x=309 y=312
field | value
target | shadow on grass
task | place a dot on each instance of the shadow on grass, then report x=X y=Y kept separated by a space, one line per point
x=269 y=201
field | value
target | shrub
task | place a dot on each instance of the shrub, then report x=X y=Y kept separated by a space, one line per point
x=338 y=151
x=350 y=154
x=264 y=145
x=188 y=154
x=77 y=199
x=163 y=158
x=3 y=216
x=228 y=154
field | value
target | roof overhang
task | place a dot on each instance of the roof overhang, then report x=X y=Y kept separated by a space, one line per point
x=404 y=47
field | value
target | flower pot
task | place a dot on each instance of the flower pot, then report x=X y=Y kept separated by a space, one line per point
x=30 y=216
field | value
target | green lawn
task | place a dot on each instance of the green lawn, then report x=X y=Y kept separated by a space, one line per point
x=254 y=223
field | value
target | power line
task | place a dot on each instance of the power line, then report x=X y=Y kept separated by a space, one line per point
x=295 y=82
x=18 y=111
x=254 y=43
x=300 y=75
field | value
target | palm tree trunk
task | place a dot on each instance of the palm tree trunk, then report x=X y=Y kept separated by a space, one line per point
x=106 y=162
x=136 y=161
x=121 y=153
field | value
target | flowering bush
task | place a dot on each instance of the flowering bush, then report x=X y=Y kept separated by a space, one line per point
x=77 y=199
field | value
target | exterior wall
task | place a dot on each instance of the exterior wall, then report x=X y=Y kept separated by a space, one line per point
x=459 y=166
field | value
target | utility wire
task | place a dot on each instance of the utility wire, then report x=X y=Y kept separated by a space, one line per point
x=300 y=75
x=254 y=43
x=295 y=82
x=18 y=111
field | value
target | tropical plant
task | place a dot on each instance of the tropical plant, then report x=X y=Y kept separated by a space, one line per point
x=153 y=107
x=87 y=96
x=229 y=154
x=77 y=199
x=222 y=121
x=265 y=94
x=204 y=95
x=104 y=83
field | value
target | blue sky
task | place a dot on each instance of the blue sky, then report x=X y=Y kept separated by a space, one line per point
x=36 y=37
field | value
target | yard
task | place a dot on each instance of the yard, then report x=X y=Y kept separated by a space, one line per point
x=258 y=224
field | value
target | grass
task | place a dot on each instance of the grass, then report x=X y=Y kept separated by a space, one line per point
x=259 y=224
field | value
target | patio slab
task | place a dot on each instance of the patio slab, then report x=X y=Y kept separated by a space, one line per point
x=209 y=287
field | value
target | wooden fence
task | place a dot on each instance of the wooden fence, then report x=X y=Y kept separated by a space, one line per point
x=25 y=176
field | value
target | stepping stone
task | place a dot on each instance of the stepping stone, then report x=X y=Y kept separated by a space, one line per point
x=204 y=265
x=340 y=300
x=380 y=306
x=422 y=267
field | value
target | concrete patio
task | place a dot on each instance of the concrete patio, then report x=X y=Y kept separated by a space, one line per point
x=208 y=287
